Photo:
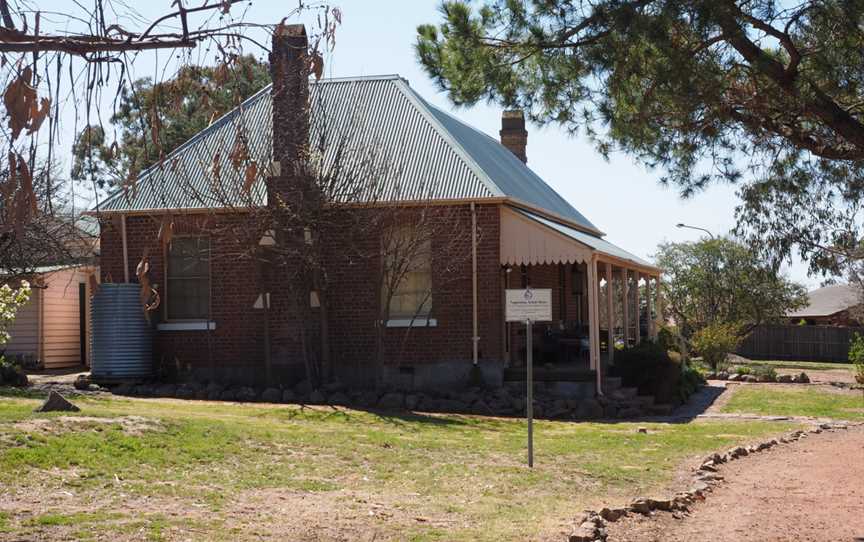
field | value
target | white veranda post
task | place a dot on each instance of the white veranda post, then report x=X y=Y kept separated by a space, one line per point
x=610 y=313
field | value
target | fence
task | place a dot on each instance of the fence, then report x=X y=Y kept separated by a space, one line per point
x=801 y=343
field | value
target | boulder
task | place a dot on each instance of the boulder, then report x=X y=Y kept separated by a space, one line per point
x=391 y=401
x=82 y=382
x=303 y=388
x=166 y=390
x=734 y=378
x=246 y=394
x=642 y=505
x=784 y=378
x=803 y=378
x=612 y=514
x=582 y=534
x=271 y=395
x=57 y=403
x=339 y=398
x=589 y=409
x=722 y=375
x=766 y=378
x=749 y=378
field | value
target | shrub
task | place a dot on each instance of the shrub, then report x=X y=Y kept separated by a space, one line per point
x=765 y=371
x=11 y=373
x=715 y=342
x=743 y=370
x=649 y=368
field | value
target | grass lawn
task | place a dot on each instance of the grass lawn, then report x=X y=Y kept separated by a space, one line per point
x=805 y=401
x=172 y=470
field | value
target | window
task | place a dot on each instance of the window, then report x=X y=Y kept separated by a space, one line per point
x=410 y=257
x=188 y=279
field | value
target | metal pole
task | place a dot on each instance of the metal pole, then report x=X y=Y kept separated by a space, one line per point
x=530 y=403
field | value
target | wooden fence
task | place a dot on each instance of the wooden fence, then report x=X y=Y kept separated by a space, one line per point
x=800 y=343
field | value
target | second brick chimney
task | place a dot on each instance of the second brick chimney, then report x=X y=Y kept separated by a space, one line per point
x=513 y=133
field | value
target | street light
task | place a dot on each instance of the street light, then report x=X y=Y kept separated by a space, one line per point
x=681 y=225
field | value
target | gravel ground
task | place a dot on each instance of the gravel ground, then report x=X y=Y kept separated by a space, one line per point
x=812 y=490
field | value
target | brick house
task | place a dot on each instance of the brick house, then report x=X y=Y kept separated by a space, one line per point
x=518 y=232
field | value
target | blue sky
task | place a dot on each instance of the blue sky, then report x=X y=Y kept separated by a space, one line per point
x=620 y=197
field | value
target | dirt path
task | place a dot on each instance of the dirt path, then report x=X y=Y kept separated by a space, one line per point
x=812 y=490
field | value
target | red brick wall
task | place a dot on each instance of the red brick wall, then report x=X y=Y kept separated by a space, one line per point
x=236 y=345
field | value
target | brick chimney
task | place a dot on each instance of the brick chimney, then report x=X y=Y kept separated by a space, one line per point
x=513 y=133
x=289 y=70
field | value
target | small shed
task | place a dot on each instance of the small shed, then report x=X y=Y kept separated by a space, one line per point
x=53 y=329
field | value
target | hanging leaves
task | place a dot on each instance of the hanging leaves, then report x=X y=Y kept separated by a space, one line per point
x=316 y=65
x=166 y=230
x=19 y=100
x=249 y=176
x=38 y=115
x=17 y=195
x=239 y=153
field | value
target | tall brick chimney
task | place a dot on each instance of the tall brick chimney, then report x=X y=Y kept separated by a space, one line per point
x=289 y=69
x=513 y=133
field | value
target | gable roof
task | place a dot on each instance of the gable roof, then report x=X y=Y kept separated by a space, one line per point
x=828 y=300
x=424 y=153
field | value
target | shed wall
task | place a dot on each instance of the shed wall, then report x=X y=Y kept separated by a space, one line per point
x=25 y=330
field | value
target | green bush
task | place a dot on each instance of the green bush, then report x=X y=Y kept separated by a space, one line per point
x=11 y=373
x=765 y=371
x=649 y=368
x=715 y=342
x=856 y=357
x=743 y=370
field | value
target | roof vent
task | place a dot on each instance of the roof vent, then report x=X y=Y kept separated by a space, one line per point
x=513 y=133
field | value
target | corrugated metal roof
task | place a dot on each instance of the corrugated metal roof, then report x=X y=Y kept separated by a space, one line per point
x=366 y=124
x=596 y=243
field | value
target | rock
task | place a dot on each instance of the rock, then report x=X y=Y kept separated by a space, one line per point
x=57 y=403
x=766 y=378
x=803 y=378
x=339 y=398
x=82 y=382
x=749 y=378
x=699 y=488
x=288 y=396
x=411 y=401
x=582 y=534
x=612 y=514
x=708 y=466
x=735 y=453
x=722 y=375
x=271 y=395
x=642 y=430
x=166 y=390
x=184 y=392
x=642 y=505
x=391 y=401
x=334 y=387
x=317 y=398
x=784 y=378
x=303 y=388
x=664 y=505
x=451 y=405
x=589 y=409
x=368 y=398
x=246 y=394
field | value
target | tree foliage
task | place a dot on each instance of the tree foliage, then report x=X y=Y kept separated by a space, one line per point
x=763 y=93
x=154 y=119
x=10 y=300
x=722 y=281
x=714 y=342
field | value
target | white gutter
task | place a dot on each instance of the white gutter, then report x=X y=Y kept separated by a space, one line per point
x=475 y=338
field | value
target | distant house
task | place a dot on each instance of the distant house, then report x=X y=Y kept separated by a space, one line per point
x=829 y=306
x=51 y=331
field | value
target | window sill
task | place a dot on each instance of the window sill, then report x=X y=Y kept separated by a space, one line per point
x=416 y=322
x=187 y=326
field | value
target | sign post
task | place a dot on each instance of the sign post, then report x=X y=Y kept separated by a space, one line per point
x=529 y=306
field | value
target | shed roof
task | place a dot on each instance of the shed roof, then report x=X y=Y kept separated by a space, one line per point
x=828 y=300
x=424 y=153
